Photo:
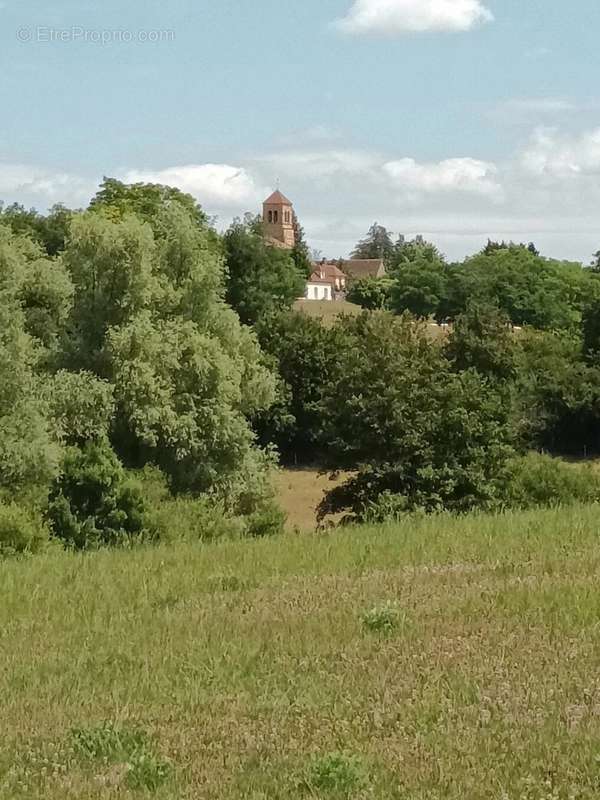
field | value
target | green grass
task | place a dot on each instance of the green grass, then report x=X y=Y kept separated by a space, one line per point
x=438 y=658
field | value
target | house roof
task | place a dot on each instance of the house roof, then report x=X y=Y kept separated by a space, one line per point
x=314 y=279
x=364 y=267
x=329 y=270
x=277 y=199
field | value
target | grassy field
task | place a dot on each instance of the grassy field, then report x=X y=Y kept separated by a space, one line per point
x=325 y=310
x=439 y=658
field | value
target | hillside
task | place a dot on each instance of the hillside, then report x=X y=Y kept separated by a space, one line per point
x=440 y=658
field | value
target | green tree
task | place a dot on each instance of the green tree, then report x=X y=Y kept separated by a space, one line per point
x=558 y=393
x=409 y=426
x=50 y=231
x=370 y=293
x=149 y=316
x=145 y=200
x=532 y=290
x=418 y=287
x=376 y=244
x=111 y=266
x=261 y=279
x=482 y=339
x=301 y=253
x=29 y=452
x=304 y=354
x=91 y=504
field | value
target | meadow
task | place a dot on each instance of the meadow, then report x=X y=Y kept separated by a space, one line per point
x=440 y=657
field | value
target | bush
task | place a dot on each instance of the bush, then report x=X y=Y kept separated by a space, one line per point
x=266 y=521
x=539 y=480
x=91 y=504
x=382 y=619
x=336 y=773
x=20 y=531
x=194 y=520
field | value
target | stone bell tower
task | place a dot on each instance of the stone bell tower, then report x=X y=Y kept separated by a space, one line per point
x=278 y=219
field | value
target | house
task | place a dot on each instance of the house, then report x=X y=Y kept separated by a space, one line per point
x=357 y=268
x=327 y=282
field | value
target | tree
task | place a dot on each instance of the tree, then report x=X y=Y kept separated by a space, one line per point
x=261 y=279
x=376 y=244
x=493 y=247
x=410 y=427
x=301 y=253
x=558 y=393
x=532 y=290
x=91 y=504
x=415 y=251
x=482 y=339
x=187 y=378
x=111 y=266
x=370 y=293
x=418 y=287
x=304 y=354
x=50 y=231
x=29 y=452
x=145 y=200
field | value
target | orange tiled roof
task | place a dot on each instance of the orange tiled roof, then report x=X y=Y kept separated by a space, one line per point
x=277 y=199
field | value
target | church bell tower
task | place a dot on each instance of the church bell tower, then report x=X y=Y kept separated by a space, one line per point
x=278 y=219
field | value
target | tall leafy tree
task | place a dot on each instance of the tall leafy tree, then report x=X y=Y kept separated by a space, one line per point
x=146 y=200
x=410 y=427
x=261 y=279
x=49 y=230
x=376 y=244
x=29 y=450
x=149 y=316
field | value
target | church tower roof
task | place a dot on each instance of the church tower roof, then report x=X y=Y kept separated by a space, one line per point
x=277 y=198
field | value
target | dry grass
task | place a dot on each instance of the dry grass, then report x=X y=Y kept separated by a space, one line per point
x=245 y=670
x=299 y=492
x=327 y=311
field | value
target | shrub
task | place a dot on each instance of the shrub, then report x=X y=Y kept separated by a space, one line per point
x=539 y=480
x=194 y=520
x=91 y=504
x=266 y=521
x=337 y=773
x=387 y=507
x=382 y=619
x=20 y=531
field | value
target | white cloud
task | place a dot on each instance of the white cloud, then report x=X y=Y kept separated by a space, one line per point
x=393 y=17
x=554 y=155
x=316 y=164
x=463 y=175
x=218 y=184
x=30 y=181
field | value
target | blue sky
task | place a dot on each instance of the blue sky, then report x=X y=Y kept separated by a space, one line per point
x=455 y=118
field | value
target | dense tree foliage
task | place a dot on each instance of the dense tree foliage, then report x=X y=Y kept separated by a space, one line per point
x=376 y=244
x=261 y=279
x=135 y=337
x=410 y=426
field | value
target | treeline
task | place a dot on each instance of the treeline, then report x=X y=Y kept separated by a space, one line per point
x=152 y=373
x=531 y=290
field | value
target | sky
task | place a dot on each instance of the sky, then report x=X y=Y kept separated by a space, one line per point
x=456 y=119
